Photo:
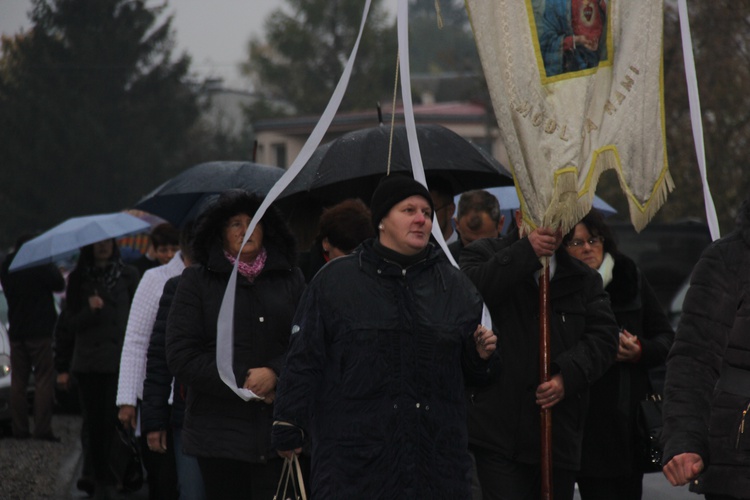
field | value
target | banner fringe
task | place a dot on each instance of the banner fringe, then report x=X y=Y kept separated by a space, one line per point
x=641 y=215
x=568 y=206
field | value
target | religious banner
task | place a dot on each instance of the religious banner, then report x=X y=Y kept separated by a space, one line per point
x=576 y=86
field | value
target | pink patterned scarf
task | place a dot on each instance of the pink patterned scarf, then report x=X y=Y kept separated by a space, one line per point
x=252 y=269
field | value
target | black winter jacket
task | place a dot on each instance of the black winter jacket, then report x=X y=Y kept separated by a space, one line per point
x=31 y=306
x=156 y=412
x=218 y=424
x=610 y=437
x=375 y=375
x=505 y=417
x=89 y=341
x=707 y=388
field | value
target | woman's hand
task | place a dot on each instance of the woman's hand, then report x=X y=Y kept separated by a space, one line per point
x=486 y=341
x=550 y=393
x=269 y=398
x=127 y=416
x=629 y=348
x=289 y=453
x=95 y=302
x=262 y=381
x=63 y=381
x=157 y=441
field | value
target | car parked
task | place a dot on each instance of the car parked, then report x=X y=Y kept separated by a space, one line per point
x=4 y=378
x=665 y=253
x=675 y=307
x=3 y=309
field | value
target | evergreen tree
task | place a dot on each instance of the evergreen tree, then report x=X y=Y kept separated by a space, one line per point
x=443 y=44
x=95 y=111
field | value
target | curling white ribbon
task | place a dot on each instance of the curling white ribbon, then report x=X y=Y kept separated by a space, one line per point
x=411 y=128
x=225 y=322
x=695 y=117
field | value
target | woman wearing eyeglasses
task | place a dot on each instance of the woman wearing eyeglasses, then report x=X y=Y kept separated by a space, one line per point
x=609 y=463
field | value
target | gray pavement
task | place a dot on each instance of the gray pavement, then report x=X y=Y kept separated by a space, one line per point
x=71 y=471
x=656 y=487
x=31 y=470
x=41 y=470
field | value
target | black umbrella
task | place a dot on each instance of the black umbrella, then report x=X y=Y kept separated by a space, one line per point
x=182 y=197
x=351 y=165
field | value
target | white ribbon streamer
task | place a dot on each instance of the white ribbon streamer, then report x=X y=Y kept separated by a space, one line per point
x=225 y=322
x=411 y=128
x=695 y=117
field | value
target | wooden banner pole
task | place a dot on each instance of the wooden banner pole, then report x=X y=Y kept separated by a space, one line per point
x=544 y=375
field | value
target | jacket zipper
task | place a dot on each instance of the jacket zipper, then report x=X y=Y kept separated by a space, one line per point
x=741 y=429
x=404 y=269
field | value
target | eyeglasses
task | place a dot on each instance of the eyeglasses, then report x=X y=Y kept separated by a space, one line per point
x=594 y=241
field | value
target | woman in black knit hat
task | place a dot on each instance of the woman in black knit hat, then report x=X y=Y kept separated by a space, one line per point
x=382 y=342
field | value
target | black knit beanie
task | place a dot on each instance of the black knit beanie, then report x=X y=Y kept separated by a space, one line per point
x=393 y=189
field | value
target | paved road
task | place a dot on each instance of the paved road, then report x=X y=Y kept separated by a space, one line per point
x=42 y=470
x=656 y=487
x=73 y=467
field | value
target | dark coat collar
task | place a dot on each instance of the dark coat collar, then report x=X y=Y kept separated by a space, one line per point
x=625 y=285
x=368 y=256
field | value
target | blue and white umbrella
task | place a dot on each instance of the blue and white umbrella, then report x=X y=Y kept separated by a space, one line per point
x=68 y=237
x=509 y=203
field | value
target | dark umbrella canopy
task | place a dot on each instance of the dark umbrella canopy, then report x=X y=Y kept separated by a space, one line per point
x=351 y=165
x=182 y=197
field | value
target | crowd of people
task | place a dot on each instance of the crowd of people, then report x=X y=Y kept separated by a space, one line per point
x=368 y=359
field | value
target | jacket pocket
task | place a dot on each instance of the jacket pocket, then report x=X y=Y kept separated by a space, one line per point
x=571 y=322
x=741 y=439
x=482 y=396
x=729 y=427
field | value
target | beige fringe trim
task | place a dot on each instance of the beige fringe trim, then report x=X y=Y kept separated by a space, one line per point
x=568 y=205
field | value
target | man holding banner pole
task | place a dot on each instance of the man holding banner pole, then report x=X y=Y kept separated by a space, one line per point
x=504 y=419
x=562 y=130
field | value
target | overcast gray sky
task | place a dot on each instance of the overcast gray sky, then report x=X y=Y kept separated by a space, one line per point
x=213 y=32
